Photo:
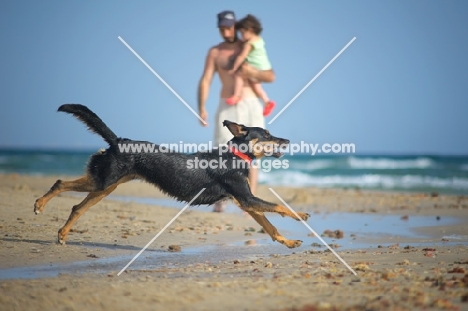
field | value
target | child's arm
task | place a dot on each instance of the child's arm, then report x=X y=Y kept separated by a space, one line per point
x=241 y=57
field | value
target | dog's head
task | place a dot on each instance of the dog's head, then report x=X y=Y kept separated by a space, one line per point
x=256 y=142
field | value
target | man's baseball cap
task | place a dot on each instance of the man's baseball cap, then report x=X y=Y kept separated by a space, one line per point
x=226 y=19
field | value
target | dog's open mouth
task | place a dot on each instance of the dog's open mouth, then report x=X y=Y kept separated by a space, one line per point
x=277 y=153
x=277 y=150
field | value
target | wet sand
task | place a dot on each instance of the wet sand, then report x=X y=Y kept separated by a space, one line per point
x=409 y=251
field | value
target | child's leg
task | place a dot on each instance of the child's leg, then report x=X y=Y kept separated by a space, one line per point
x=259 y=91
x=238 y=85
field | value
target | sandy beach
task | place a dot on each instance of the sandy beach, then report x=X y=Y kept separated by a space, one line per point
x=409 y=253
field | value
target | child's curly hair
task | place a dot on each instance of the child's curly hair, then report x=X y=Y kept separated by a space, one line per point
x=250 y=22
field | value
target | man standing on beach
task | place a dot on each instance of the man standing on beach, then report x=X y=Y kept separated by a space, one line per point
x=248 y=111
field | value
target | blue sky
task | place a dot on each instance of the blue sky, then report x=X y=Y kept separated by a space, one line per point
x=400 y=88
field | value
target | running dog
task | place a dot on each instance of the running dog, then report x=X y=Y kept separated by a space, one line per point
x=169 y=172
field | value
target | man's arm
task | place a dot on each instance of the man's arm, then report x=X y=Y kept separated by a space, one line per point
x=264 y=76
x=205 y=82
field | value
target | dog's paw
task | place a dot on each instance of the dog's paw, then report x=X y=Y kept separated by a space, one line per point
x=61 y=237
x=38 y=206
x=304 y=216
x=293 y=243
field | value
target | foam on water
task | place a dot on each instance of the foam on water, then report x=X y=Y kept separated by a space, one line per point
x=296 y=178
x=390 y=164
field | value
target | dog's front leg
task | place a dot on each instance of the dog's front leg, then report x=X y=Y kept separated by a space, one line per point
x=272 y=231
x=256 y=208
x=255 y=204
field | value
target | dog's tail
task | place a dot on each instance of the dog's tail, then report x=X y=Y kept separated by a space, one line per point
x=94 y=123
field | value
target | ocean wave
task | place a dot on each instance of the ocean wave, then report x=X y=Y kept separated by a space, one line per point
x=371 y=181
x=464 y=167
x=388 y=164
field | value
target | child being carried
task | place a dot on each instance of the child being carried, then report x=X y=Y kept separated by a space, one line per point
x=254 y=53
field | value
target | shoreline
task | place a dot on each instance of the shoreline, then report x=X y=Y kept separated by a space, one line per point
x=219 y=265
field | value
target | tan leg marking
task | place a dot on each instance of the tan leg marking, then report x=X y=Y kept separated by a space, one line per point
x=272 y=231
x=90 y=200
x=83 y=184
x=284 y=211
x=80 y=209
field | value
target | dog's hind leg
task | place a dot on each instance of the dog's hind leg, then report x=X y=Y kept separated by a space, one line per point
x=80 y=209
x=83 y=184
x=272 y=231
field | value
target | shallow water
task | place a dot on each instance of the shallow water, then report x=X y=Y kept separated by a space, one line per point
x=352 y=223
x=361 y=231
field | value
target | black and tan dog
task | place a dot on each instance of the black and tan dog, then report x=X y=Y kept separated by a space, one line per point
x=169 y=172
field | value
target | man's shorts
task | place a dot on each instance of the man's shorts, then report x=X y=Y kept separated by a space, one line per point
x=248 y=111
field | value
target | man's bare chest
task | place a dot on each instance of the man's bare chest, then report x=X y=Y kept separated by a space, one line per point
x=225 y=59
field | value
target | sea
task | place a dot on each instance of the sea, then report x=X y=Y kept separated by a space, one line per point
x=413 y=173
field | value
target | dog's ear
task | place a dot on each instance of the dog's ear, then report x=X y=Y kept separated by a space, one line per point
x=238 y=130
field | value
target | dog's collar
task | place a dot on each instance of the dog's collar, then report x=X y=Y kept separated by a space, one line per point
x=241 y=155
